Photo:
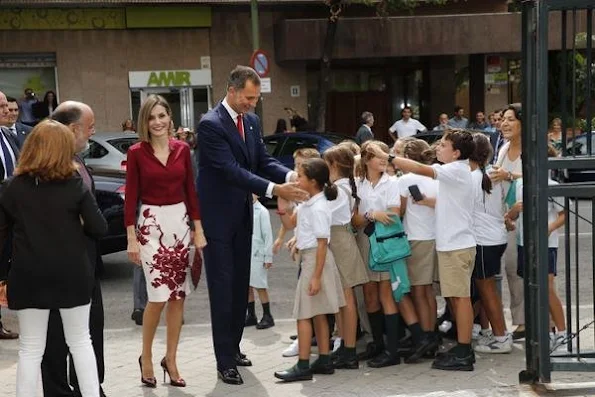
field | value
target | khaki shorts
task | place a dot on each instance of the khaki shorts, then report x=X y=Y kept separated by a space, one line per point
x=455 y=269
x=422 y=265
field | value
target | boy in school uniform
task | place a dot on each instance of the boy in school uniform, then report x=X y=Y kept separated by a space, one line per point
x=455 y=240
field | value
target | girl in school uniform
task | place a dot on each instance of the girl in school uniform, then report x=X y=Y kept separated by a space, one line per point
x=319 y=289
x=455 y=240
x=419 y=223
x=262 y=260
x=491 y=236
x=380 y=199
x=352 y=269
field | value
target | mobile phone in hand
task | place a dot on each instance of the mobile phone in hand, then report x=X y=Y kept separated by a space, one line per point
x=415 y=193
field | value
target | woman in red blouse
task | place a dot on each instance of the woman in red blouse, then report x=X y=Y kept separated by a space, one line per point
x=159 y=176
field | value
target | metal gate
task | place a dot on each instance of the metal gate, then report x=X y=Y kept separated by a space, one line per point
x=557 y=80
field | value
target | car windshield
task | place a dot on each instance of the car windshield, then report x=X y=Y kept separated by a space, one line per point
x=122 y=144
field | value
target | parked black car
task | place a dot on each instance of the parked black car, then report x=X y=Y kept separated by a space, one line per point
x=282 y=146
x=578 y=147
x=110 y=188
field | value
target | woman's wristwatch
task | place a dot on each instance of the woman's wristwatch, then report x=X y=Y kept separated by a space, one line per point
x=391 y=157
x=510 y=176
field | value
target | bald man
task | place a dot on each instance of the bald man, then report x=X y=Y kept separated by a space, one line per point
x=80 y=119
x=9 y=154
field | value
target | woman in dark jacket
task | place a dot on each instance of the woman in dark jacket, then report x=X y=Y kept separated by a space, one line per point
x=44 y=109
x=50 y=267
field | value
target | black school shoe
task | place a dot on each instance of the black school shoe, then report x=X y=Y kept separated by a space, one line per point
x=324 y=369
x=385 y=359
x=344 y=362
x=426 y=345
x=266 y=322
x=294 y=374
x=450 y=362
x=372 y=351
x=250 y=321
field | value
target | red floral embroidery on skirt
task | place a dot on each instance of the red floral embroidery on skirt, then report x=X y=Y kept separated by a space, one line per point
x=171 y=262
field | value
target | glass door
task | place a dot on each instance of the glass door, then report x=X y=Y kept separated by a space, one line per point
x=188 y=104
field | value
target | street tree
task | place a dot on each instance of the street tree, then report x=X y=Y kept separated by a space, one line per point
x=384 y=8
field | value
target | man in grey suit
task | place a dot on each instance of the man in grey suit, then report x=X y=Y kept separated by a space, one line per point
x=18 y=130
x=365 y=131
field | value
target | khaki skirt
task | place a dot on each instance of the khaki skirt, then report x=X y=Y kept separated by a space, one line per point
x=350 y=264
x=330 y=297
x=363 y=244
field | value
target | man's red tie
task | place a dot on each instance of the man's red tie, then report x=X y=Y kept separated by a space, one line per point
x=240 y=125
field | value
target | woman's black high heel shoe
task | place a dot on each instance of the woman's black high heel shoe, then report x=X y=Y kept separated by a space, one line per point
x=174 y=382
x=149 y=382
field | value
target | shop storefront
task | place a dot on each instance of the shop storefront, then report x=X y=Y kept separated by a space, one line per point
x=187 y=91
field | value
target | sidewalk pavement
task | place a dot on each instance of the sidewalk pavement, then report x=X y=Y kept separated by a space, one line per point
x=494 y=375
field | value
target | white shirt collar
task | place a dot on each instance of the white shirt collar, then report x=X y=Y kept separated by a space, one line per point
x=233 y=114
x=382 y=180
x=314 y=199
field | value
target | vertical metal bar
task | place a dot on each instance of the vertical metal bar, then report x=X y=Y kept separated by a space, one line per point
x=540 y=186
x=528 y=93
x=577 y=277
x=573 y=78
x=588 y=85
x=567 y=273
x=564 y=82
x=592 y=258
x=255 y=25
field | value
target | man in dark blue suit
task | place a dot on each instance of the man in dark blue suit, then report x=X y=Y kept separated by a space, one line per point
x=18 y=130
x=233 y=164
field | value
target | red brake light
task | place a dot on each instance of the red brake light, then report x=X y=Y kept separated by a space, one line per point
x=122 y=191
x=123 y=165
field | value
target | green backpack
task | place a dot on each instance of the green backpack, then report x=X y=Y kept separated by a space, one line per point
x=388 y=244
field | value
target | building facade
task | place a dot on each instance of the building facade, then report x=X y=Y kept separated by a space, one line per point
x=111 y=54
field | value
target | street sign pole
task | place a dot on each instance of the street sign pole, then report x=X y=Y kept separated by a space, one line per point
x=256 y=46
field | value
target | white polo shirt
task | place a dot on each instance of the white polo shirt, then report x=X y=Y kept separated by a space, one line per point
x=454 y=206
x=313 y=222
x=407 y=128
x=488 y=212
x=420 y=220
x=554 y=205
x=342 y=207
x=381 y=197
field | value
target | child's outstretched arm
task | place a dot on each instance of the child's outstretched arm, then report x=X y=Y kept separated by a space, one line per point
x=558 y=223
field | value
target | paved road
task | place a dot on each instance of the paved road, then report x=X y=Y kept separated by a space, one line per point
x=494 y=375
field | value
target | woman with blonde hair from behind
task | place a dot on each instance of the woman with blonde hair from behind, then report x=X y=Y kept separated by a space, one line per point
x=50 y=267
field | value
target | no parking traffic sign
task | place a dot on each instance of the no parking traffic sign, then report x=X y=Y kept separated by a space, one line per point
x=260 y=63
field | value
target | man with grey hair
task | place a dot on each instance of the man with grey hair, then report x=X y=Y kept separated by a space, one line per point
x=233 y=164
x=365 y=131
x=79 y=118
x=9 y=154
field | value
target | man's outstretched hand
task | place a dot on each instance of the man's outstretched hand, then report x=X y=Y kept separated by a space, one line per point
x=290 y=192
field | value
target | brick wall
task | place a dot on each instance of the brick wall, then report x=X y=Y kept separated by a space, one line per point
x=93 y=65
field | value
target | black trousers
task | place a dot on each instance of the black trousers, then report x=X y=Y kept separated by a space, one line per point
x=53 y=367
x=227 y=264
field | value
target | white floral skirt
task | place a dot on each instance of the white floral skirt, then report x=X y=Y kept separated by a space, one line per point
x=164 y=237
